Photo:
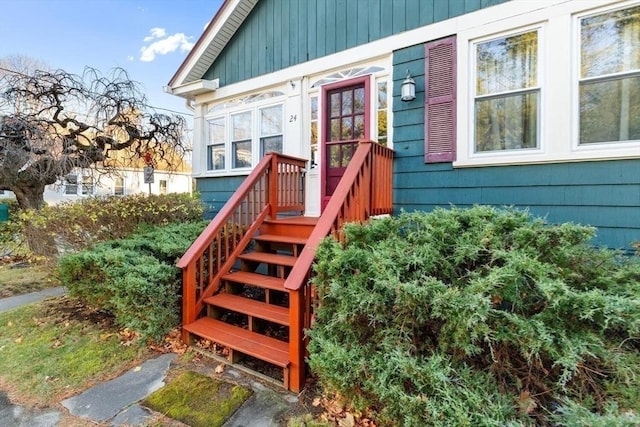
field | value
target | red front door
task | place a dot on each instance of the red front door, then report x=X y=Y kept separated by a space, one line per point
x=345 y=121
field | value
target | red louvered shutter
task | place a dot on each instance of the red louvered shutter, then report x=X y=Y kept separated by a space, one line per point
x=440 y=101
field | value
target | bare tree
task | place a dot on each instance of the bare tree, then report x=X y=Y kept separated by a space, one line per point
x=54 y=122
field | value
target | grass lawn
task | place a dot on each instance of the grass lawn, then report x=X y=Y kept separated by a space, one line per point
x=53 y=349
x=18 y=281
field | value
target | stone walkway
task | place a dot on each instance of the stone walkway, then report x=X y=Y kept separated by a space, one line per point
x=116 y=401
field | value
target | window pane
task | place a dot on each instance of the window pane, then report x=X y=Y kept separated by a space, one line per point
x=347 y=128
x=271 y=121
x=241 y=126
x=270 y=144
x=506 y=64
x=335 y=104
x=382 y=95
x=358 y=102
x=610 y=110
x=314 y=108
x=118 y=187
x=347 y=102
x=382 y=127
x=610 y=43
x=215 y=157
x=335 y=129
x=217 y=131
x=87 y=185
x=241 y=154
x=71 y=184
x=358 y=129
x=507 y=122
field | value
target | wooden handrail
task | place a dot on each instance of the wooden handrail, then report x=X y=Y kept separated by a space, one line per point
x=359 y=195
x=275 y=185
x=354 y=199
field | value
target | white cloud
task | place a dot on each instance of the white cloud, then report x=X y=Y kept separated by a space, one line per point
x=130 y=58
x=163 y=46
x=155 y=33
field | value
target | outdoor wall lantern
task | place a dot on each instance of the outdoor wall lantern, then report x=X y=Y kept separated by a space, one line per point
x=408 y=89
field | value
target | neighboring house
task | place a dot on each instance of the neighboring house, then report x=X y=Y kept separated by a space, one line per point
x=126 y=181
x=128 y=178
x=533 y=104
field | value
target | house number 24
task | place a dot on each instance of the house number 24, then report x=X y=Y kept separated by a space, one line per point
x=293 y=118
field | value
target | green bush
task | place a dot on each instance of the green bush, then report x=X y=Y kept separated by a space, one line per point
x=78 y=225
x=477 y=317
x=135 y=278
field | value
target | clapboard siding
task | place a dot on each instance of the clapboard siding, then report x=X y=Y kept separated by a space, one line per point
x=280 y=33
x=603 y=194
x=215 y=192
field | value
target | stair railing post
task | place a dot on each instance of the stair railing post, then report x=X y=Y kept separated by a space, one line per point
x=296 y=340
x=188 y=298
x=273 y=186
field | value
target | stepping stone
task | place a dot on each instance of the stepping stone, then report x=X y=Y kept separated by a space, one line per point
x=106 y=400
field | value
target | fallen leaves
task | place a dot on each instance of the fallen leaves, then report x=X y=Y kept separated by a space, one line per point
x=339 y=415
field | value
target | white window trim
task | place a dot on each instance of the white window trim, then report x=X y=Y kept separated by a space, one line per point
x=558 y=78
x=471 y=149
x=605 y=148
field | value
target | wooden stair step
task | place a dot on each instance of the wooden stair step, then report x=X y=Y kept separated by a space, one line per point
x=270 y=312
x=294 y=220
x=253 y=344
x=275 y=238
x=268 y=258
x=256 y=279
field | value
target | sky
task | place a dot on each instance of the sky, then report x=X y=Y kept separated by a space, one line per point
x=148 y=38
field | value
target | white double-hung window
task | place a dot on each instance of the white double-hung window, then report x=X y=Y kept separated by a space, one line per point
x=240 y=134
x=609 y=77
x=507 y=94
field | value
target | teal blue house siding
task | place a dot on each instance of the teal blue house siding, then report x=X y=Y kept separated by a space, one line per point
x=281 y=33
x=603 y=194
x=215 y=192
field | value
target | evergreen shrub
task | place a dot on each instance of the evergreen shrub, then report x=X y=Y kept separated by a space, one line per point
x=77 y=225
x=135 y=278
x=478 y=317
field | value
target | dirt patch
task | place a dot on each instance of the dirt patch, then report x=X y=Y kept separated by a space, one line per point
x=72 y=309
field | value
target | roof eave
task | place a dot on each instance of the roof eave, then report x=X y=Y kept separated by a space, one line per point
x=213 y=40
x=192 y=89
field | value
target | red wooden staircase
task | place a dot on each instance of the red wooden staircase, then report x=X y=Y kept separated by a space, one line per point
x=246 y=277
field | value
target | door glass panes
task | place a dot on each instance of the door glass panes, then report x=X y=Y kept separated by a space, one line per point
x=358 y=101
x=347 y=114
x=609 y=94
x=347 y=103
x=507 y=97
x=335 y=104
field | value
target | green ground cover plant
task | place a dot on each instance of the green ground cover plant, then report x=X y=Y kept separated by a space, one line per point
x=478 y=317
x=134 y=278
x=50 y=350
x=198 y=400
